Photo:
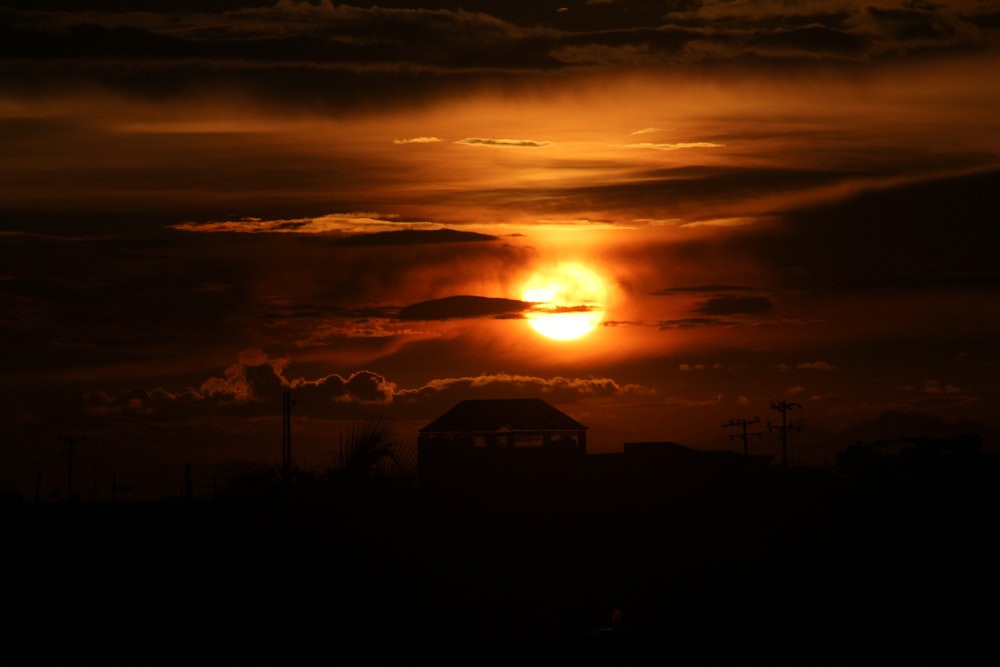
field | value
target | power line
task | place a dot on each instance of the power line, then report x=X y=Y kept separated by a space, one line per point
x=745 y=435
x=783 y=407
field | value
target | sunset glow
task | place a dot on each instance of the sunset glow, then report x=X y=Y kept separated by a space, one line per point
x=658 y=215
x=568 y=300
x=468 y=331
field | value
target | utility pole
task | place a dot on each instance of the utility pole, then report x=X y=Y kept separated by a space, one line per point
x=783 y=407
x=286 y=431
x=70 y=441
x=745 y=435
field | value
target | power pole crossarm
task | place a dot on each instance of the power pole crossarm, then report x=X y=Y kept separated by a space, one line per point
x=744 y=435
x=783 y=407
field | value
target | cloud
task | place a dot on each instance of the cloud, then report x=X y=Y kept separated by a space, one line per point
x=694 y=323
x=937 y=388
x=359 y=387
x=354 y=229
x=675 y=147
x=333 y=222
x=851 y=243
x=566 y=388
x=415 y=237
x=647 y=130
x=822 y=366
x=522 y=143
x=734 y=305
x=715 y=367
x=682 y=402
x=418 y=140
x=719 y=222
x=463 y=307
x=353 y=58
x=253 y=386
x=813 y=39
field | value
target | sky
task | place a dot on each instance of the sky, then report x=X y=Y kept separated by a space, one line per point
x=205 y=204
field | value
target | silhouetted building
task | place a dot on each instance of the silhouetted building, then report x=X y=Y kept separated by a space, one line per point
x=498 y=435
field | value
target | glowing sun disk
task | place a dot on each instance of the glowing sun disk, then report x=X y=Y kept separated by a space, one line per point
x=569 y=299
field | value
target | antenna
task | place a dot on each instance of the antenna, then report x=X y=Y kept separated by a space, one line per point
x=783 y=407
x=70 y=441
x=744 y=435
x=286 y=431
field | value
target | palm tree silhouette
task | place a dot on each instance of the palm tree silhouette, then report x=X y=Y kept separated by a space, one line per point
x=370 y=449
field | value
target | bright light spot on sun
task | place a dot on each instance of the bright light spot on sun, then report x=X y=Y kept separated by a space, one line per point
x=569 y=299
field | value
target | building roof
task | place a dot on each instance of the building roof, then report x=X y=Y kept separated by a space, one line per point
x=503 y=414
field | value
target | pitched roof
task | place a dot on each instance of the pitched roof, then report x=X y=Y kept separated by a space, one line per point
x=515 y=414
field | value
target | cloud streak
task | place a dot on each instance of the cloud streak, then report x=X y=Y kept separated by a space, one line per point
x=675 y=147
x=354 y=229
x=351 y=56
x=504 y=143
x=418 y=140
x=463 y=307
x=822 y=366
x=734 y=305
x=254 y=385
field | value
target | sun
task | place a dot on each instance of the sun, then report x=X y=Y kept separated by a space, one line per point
x=569 y=301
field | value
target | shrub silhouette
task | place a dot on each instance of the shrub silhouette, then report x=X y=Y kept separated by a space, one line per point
x=370 y=449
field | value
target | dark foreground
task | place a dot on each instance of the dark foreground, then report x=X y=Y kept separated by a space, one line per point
x=797 y=568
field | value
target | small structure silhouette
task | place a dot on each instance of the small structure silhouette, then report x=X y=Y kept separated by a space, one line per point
x=476 y=435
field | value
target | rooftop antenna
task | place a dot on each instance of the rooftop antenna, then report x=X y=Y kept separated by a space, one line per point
x=286 y=431
x=70 y=441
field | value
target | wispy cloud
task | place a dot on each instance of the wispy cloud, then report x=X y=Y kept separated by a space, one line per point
x=418 y=140
x=694 y=323
x=415 y=237
x=344 y=223
x=647 y=130
x=823 y=366
x=675 y=147
x=518 y=143
x=719 y=222
x=590 y=386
